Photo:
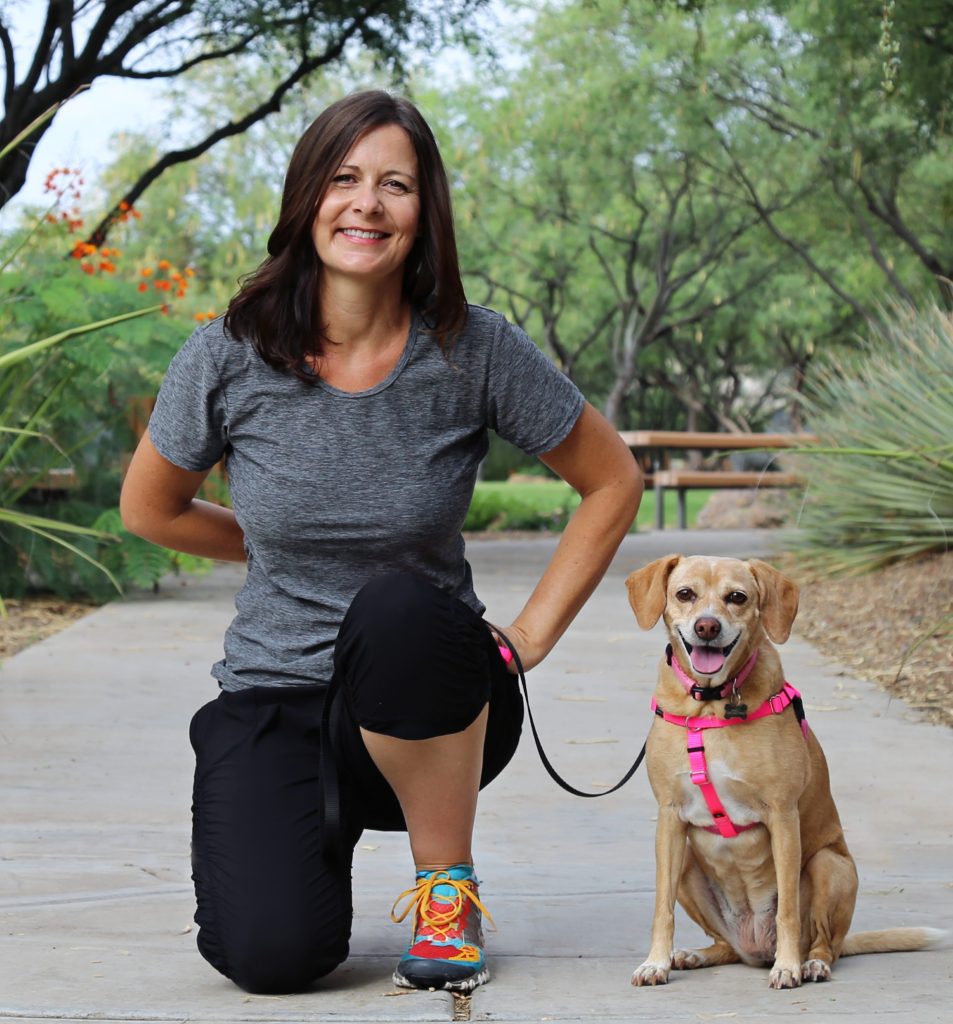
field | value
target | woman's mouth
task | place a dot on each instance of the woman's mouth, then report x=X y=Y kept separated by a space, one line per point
x=360 y=234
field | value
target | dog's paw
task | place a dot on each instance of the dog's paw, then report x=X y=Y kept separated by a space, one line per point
x=784 y=977
x=650 y=974
x=815 y=970
x=687 y=960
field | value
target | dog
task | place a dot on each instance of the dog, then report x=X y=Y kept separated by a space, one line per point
x=748 y=838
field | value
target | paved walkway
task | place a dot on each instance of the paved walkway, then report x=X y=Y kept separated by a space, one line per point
x=95 y=898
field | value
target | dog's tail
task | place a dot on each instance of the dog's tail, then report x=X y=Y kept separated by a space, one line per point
x=894 y=940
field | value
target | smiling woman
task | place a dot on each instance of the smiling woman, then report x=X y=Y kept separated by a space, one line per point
x=352 y=389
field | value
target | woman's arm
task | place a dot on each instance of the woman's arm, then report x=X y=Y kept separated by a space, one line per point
x=158 y=502
x=595 y=461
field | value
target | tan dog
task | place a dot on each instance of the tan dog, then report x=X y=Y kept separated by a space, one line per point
x=774 y=883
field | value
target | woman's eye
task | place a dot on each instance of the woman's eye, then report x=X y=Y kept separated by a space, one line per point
x=685 y=594
x=397 y=186
x=343 y=179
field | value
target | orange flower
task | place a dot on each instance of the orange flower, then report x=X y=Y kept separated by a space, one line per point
x=164 y=264
x=200 y=317
x=146 y=271
x=107 y=267
x=189 y=272
x=143 y=287
x=163 y=286
x=88 y=268
x=124 y=206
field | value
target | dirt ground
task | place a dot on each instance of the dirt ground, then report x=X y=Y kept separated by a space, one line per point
x=893 y=627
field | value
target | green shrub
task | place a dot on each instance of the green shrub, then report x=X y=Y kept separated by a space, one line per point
x=65 y=392
x=880 y=483
x=546 y=505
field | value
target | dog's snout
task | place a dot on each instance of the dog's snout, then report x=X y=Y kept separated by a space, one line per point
x=707 y=627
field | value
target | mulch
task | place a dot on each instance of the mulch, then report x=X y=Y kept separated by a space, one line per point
x=35 y=618
x=893 y=627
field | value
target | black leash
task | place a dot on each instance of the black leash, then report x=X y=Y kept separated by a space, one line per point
x=553 y=774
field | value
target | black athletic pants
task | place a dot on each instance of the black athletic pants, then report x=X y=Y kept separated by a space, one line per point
x=274 y=912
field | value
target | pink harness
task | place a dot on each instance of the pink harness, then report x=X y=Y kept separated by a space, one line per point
x=695 y=727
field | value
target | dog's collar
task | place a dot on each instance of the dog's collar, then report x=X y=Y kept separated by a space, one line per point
x=700 y=692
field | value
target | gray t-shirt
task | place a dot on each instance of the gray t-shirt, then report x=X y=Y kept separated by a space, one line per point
x=332 y=488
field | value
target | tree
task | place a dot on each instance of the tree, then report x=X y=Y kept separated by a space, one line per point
x=860 y=92
x=587 y=205
x=82 y=40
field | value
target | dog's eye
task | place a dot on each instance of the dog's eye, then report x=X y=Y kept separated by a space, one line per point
x=685 y=594
x=736 y=597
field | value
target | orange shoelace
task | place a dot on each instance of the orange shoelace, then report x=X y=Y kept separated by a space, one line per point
x=425 y=903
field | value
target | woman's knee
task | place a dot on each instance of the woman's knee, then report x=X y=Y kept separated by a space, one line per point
x=288 y=959
x=413 y=659
x=393 y=612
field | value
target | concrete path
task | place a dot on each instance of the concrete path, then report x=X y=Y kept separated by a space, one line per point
x=95 y=772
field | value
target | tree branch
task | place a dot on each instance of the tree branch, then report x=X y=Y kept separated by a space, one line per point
x=270 y=106
x=41 y=55
x=756 y=203
x=10 y=62
x=230 y=51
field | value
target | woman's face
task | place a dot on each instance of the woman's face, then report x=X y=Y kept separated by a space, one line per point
x=367 y=222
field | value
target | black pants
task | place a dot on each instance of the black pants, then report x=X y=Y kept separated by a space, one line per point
x=274 y=912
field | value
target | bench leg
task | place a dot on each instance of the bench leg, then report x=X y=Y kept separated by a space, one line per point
x=659 y=507
x=682 y=510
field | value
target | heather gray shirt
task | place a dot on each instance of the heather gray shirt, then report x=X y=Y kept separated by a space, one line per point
x=332 y=487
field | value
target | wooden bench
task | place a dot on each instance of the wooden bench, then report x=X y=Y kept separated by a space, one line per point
x=683 y=480
x=652 y=449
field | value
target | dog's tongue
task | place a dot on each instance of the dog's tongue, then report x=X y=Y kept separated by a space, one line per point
x=707 y=660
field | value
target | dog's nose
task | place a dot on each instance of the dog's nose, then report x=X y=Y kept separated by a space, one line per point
x=707 y=627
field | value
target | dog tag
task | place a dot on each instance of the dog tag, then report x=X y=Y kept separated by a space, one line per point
x=736 y=711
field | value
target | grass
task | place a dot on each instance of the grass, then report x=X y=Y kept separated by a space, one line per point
x=547 y=505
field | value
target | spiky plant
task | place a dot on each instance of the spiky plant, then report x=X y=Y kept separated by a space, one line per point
x=880 y=483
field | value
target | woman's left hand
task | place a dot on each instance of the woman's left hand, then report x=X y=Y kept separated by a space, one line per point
x=530 y=654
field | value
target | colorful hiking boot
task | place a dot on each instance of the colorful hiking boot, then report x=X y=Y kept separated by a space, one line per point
x=446 y=951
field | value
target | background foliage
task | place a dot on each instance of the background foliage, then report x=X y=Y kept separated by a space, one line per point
x=696 y=208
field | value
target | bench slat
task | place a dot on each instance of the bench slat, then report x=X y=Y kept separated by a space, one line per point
x=640 y=439
x=696 y=478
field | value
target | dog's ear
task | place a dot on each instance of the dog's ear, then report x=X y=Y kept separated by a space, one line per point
x=779 y=596
x=647 y=588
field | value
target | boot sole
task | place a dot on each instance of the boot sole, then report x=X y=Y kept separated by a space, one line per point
x=461 y=985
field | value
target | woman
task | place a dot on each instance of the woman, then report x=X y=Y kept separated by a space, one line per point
x=351 y=387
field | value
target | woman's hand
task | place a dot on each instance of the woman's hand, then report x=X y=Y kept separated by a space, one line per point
x=530 y=653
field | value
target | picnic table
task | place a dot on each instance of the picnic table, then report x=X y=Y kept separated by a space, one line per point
x=652 y=449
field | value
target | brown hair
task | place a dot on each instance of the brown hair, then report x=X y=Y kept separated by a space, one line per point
x=276 y=308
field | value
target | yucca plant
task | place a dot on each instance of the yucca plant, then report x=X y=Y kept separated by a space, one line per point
x=880 y=483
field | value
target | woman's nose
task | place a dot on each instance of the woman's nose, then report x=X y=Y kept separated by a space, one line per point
x=367 y=199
